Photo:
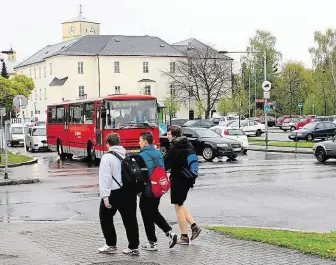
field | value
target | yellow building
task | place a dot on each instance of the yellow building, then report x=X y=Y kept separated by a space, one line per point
x=79 y=27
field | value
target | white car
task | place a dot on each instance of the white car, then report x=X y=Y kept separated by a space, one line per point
x=36 y=139
x=223 y=121
x=250 y=128
x=232 y=133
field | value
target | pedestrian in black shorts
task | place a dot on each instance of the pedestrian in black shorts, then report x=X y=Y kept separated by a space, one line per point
x=175 y=160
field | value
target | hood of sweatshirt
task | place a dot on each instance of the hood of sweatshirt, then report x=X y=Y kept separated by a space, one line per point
x=181 y=142
x=118 y=149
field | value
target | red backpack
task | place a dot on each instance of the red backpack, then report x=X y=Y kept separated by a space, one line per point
x=160 y=181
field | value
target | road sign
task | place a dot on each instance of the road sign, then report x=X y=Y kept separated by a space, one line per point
x=267 y=108
x=267 y=95
x=300 y=105
x=2 y=112
x=266 y=85
x=20 y=101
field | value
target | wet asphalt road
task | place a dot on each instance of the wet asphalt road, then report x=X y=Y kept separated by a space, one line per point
x=261 y=189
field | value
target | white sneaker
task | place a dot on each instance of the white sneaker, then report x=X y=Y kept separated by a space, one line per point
x=172 y=239
x=107 y=249
x=132 y=252
x=150 y=247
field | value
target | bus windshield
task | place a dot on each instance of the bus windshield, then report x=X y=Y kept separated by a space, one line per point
x=135 y=113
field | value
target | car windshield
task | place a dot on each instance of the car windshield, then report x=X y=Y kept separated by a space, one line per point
x=233 y=124
x=18 y=130
x=235 y=132
x=309 y=126
x=127 y=113
x=303 y=120
x=189 y=123
x=205 y=133
x=287 y=120
x=39 y=132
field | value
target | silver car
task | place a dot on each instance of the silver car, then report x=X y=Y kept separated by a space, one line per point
x=325 y=150
x=290 y=124
x=36 y=139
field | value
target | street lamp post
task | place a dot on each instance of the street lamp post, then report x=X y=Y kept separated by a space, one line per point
x=265 y=79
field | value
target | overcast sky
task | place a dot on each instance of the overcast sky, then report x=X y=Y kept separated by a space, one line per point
x=31 y=25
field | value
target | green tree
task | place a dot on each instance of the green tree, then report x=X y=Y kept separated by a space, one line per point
x=225 y=105
x=254 y=62
x=324 y=59
x=4 y=72
x=239 y=97
x=6 y=92
x=291 y=87
x=22 y=85
x=200 y=108
x=172 y=105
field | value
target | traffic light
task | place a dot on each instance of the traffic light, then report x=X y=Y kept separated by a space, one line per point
x=275 y=68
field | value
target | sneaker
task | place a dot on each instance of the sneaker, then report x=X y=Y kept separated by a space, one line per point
x=184 y=240
x=172 y=240
x=107 y=249
x=151 y=246
x=195 y=232
x=132 y=252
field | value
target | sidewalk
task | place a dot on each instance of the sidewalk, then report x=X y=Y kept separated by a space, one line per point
x=254 y=147
x=76 y=243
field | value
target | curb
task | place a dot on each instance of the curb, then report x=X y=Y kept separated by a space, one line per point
x=33 y=161
x=280 y=151
x=7 y=182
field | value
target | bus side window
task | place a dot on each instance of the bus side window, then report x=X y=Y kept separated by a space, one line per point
x=88 y=113
x=76 y=114
x=51 y=115
x=60 y=114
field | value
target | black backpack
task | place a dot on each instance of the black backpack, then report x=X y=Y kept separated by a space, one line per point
x=132 y=175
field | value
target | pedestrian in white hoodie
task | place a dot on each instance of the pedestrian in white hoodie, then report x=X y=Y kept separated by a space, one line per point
x=116 y=198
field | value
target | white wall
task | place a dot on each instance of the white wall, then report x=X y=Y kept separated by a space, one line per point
x=131 y=71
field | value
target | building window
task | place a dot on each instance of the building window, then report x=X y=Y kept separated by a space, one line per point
x=35 y=94
x=34 y=73
x=117 y=67
x=80 y=67
x=145 y=67
x=30 y=73
x=32 y=114
x=81 y=92
x=45 y=93
x=45 y=71
x=172 y=67
x=40 y=94
x=39 y=72
x=117 y=90
x=50 y=65
x=147 y=90
x=172 y=90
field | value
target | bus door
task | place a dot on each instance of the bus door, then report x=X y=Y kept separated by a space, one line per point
x=65 y=140
x=100 y=117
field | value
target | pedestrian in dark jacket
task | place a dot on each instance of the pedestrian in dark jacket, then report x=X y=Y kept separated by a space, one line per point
x=176 y=160
x=150 y=158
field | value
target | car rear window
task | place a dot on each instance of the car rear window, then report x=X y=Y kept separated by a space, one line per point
x=235 y=132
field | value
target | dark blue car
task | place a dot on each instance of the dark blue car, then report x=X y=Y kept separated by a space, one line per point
x=316 y=130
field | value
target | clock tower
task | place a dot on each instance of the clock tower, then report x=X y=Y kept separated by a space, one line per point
x=79 y=27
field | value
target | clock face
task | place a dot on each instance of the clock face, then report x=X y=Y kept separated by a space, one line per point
x=72 y=30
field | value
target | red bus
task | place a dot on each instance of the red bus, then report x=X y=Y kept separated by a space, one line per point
x=79 y=127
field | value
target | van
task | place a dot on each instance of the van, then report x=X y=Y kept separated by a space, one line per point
x=16 y=135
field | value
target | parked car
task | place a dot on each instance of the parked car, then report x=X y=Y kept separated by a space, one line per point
x=36 y=139
x=249 y=127
x=325 y=150
x=289 y=124
x=232 y=133
x=179 y=122
x=316 y=130
x=199 y=123
x=226 y=119
x=16 y=137
x=207 y=143
x=270 y=120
